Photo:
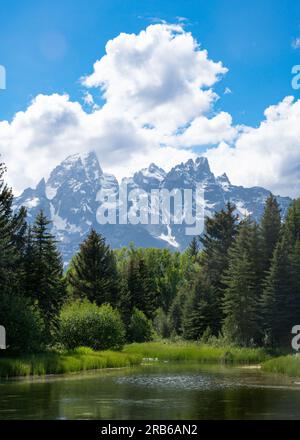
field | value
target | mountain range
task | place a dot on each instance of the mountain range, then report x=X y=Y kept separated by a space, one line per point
x=73 y=193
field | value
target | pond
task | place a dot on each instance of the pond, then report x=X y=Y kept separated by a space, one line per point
x=157 y=391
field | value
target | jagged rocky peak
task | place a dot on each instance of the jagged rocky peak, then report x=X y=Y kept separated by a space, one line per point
x=195 y=170
x=72 y=196
x=223 y=179
x=155 y=171
x=81 y=167
x=201 y=162
x=41 y=187
x=153 y=176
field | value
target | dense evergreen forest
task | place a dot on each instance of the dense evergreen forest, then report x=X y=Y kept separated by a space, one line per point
x=239 y=282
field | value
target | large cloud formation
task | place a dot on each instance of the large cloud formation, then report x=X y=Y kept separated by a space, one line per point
x=156 y=87
x=151 y=98
x=269 y=155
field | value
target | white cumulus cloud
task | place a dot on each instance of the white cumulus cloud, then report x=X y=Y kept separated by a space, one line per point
x=269 y=155
x=160 y=77
x=157 y=92
x=157 y=104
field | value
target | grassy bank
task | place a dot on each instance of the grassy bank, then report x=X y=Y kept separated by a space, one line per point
x=288 y=365
x=81 y=359
x=184 y=351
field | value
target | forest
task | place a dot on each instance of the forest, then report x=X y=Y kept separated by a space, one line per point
x=238 y=284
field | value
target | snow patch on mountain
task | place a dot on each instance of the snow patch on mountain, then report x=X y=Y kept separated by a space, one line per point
x=77 y=188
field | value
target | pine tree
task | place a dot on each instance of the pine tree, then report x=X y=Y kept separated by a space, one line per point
x=277 y=299
x=148 y=290
x=199 y=309
x=141 y=286
x=294 y=261
x=193 y=248
x=176 y=312
x=241 y=299
x=270 y=227
x=44 y=270
x=292 y=222
x=220 y=232
x=12 y=229
x=93 y=272
x=29 y=265
x=125 y=304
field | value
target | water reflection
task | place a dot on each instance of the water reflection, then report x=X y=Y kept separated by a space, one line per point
x=161 y=391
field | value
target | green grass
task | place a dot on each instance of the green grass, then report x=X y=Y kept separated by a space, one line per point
x=186 y=351
x=288 y=365
x=80 y=359
x=84 y=359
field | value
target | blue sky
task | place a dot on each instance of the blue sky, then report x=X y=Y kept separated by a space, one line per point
x=47 y=47
x=253 y=39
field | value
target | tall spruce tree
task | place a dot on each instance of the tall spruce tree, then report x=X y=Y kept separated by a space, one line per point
x=270 y=227
x=193 y=248
x=44 y=270
x=242 y=293
x=292 y=221
x=12 y=229
x=280 y=301
x=277 y=299
x=141 y=286
x=199 y=309
x=176 y=312
x=93 y=272
x=294 y=260
x=220 y=232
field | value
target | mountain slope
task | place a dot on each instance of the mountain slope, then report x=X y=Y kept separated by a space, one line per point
x=77 y=188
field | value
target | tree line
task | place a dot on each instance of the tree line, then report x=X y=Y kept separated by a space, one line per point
x=239 y=281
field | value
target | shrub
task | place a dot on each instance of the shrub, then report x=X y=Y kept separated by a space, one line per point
x=140 y=327
x=23 y=323
x=83 y=323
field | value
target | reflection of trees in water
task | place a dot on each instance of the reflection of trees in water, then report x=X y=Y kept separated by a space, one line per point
x=246 y=403
x=161 y=392
x=28 y=400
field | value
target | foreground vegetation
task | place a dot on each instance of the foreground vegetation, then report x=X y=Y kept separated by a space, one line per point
x=202 y=353
x=80 y=359
x=237 y=283
x=287 y=365
x=84 y=358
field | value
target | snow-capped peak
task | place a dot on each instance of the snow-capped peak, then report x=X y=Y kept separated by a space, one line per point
x=72 y=197
x=78 y=168
x=153 y=176
x=223 y=180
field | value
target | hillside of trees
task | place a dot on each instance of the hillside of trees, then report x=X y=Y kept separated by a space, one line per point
x=239 y=281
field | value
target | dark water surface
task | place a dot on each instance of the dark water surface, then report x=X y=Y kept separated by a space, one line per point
x=160 y=391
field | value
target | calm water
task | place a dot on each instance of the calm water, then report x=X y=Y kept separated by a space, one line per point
x=161 y=391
